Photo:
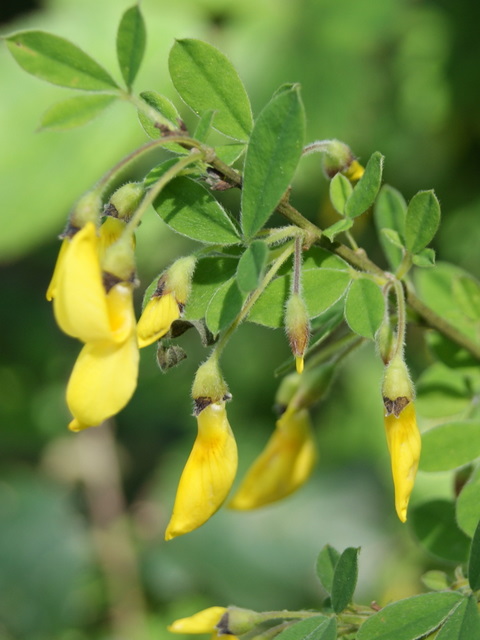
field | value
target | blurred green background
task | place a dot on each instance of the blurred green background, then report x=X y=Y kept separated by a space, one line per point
x=398 y=76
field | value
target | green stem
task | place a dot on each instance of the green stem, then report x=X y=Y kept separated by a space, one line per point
x=252 y=299
x=401 y=319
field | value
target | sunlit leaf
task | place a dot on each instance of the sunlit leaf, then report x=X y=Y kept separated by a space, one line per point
x=131 y=40
x=450 y=445
x=364 y=307
x=74 y=112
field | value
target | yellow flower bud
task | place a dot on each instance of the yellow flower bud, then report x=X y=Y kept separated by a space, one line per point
x=208 y=473
x=297 y=326
x=284 y=465
x=167 y=302
x=204 y=621
x=354 y=172
x=403 y=436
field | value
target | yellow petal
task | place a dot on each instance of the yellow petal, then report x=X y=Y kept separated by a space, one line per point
x=284 y=465
x=121 y=315
x=208 y=474
x=52 y=287
x=404 y=444
x=102 y=381
x=110 y=231
x=201 y=622
x=80 y=304
x=156 y=319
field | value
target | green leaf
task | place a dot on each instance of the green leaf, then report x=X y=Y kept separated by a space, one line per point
x=204 y=125
x=272 y=156
x=338 y=227
x=191 y=210
x=316 y=628
x=435 y=526
x=468 y=505
x=206 y=79
x=450 y=445
x=321 y=289
x=345 y=579
x=224 y=306
x=425 y=258
x=435 y=580
x=228 y=153
x=131 y=40
x=448 y=351
x=210 y=273
x=366 y=189
x=442 y=392
x=463 y=623
x=389 y=215
x=474 y=561
x=167 y=113
x=74 y=112
x=422 y=220
x=411 y=618
x=326 y=562
x=58 y=61
x=364 y=307
x=340 y=191
x=252 y=265
x=466 y=291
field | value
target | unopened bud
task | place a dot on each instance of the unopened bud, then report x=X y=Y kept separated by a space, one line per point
x=397 y=387
x=236 y=621
x=119 y=260
x=337 y=157
x=297 y=326
x=178 y=278
x=169 y=356
x=285 y=392
x=125 y=201
x=86 y=210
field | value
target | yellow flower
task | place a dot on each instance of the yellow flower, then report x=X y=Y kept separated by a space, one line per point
x=105 y=374
x=53 y=286
x=202 y=622
x=404 y=444
x=208 y=473
x=285 y=464
x=157 y=318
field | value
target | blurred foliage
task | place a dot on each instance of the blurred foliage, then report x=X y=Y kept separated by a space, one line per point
x=398 y=76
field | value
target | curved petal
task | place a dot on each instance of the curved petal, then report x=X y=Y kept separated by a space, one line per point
x=202 y=622
x=284 y=465
x=208 y=473
x=121 y=315
x=102 y=381
x=157 y=318
x=52 y=287
x=79 y=303
x=404 y=444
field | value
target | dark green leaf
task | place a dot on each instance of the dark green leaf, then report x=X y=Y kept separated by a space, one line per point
x=463 y=623
x=450 y=445
x=316 y=628
x=326 y=563
x=131 y=39
x=435 y=580
x=448 y=351
x=74 y=112
x=389 y=215
x=206 y=79
x=204 y=125
x=272 y=156
x=364 y=307
x=411 y=618
x=474 y=561
x=436 y=528
x=442 y=392
x=342 y=225
x=422 y=220
x=425 y=258
x=224 y=306
x=321 y=289
x=58 y=61
x=366 y=189
x=191 y=210
x=468 y=505
x=345 y=579
x=210 y=273
x=340 y=191
x=252 y=265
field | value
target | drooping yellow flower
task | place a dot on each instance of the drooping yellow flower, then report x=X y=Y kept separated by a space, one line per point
x=284 y=465
x=403 y=436
x=53 y=286
x=167 y=302
x=202 y=622
x=404 y=445
x=208 y=474
x=105 y=374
